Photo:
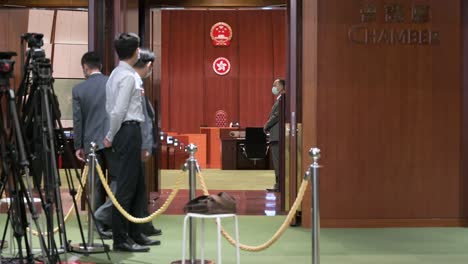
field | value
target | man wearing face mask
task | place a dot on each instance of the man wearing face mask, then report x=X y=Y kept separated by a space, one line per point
x=272 y=127
x=143 y=68
x=90 y=119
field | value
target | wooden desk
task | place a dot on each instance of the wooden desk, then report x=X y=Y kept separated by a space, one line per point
x=200 y=141
x=213 y=144
x=233 y=158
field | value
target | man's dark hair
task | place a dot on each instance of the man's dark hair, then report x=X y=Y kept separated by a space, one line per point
x=126 y=44
x=146 y=56
x=282 y=82
x=91 y=59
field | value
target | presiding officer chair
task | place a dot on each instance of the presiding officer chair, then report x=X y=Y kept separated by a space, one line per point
x=256 y=146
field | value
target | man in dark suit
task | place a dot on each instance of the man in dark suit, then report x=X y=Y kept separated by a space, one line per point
x=90 y=121
x=272 y=127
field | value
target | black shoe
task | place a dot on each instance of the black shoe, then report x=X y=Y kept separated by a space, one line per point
x=142 y=239
x=272 y=189
x=152 y=232
x=107 y=234
x=130 y=246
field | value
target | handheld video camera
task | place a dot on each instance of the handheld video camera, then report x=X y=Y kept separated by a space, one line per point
x=6 y=66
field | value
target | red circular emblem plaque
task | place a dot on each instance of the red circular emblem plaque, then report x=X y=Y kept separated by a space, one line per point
x=221 y=66
x=221 y=34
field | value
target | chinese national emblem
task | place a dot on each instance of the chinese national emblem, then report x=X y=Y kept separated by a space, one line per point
x=221 y=34
x=221 y=66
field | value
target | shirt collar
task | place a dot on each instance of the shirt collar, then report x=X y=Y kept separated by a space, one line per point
x=138 y=79
x=126 y=65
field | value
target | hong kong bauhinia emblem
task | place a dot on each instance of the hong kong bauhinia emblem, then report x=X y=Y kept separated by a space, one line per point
x=221 y=66
x=221 y=34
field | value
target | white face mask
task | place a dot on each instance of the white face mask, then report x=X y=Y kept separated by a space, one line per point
x=274 y=90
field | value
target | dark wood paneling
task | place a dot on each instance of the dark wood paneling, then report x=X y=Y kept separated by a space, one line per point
x=48 y=3
x=309 y=97
x=165 y=101
x=216 y=3
x=221 y=92
x=15 y=24
x=255 y=67
x=464 y=147
x=389 y=118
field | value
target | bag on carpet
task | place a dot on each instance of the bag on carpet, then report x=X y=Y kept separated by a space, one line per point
x=221 y=203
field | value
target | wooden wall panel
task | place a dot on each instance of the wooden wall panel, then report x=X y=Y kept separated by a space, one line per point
x=309 y=96
x=389 y=117
x=464 y=151
x=255 y=63
x=15 y=23
x=186 y=71
x=165 y=101
x=278 y=25
x=256 y=56
x=221 y=92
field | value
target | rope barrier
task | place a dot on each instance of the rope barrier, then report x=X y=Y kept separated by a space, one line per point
x=171 y=197
x=126 y=214
x=277 y=234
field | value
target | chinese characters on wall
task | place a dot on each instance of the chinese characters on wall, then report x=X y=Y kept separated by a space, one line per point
x=394 y=24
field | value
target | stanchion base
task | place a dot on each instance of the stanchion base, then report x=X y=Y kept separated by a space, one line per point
x=198 y=261
x=90 y=248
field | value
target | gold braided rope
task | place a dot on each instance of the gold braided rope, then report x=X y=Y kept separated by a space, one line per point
x=126 y=214
x=277 y=234
x=84 y=174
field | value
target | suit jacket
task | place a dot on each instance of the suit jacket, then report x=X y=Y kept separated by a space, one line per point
x=272 y=125
x=90 y=120
x=148 y=127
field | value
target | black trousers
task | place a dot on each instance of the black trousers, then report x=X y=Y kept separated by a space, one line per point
x=274 y=146
x=99 y=192
x=125 y=166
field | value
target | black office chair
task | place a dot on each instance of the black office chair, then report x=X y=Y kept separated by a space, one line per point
x=255 y=147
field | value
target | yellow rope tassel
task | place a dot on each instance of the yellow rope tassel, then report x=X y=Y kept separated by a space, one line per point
x=277 y=234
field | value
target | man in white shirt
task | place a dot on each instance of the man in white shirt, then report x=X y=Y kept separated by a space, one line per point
x=124 y=107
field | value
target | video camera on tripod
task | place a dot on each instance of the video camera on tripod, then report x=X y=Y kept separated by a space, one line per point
x=6 y=67
x=35 y=42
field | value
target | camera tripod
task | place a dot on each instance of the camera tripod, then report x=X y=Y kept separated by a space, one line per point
x=15 y=164
x=45 y=138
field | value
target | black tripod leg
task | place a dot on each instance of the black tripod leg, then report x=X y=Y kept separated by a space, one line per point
x=24 y=164
x=75 y=204
x=5 y=229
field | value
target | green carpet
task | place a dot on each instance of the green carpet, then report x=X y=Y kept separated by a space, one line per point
x=217 y=179
x=338 y=246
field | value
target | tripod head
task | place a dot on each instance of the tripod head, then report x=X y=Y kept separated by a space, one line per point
x=35 y=42
x=6 y=68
